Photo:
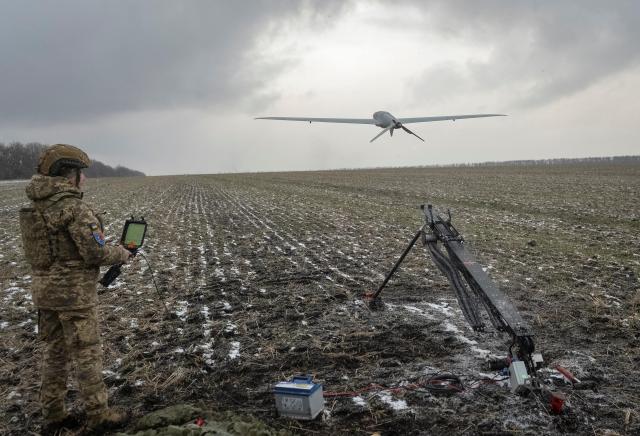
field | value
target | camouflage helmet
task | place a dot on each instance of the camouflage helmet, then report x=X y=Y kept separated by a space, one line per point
x=61 y=155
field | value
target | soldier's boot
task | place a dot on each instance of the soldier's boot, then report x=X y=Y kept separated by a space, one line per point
x=110 y=419
x=53 y=427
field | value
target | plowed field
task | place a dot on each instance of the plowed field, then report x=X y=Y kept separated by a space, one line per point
x=263 y=275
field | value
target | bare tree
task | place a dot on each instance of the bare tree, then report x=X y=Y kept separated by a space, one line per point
x=19 y=161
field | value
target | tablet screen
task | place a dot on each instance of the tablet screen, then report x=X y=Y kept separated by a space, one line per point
x=134 y=235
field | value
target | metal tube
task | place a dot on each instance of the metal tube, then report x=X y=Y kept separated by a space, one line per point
x=395 y=267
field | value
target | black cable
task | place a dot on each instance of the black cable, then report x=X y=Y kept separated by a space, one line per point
x=465 y=299
x=444 y=383
x=470 y=297
x=153 y=278
x=444 y=265
x=479 y=297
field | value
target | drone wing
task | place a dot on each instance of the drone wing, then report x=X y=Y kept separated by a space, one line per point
x=322 y=120
x=446 y=118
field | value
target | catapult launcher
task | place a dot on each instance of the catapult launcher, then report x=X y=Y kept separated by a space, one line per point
x=474 y=290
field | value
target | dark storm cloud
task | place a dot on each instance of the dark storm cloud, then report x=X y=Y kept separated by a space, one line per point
x=537 y=51
x=75 y=60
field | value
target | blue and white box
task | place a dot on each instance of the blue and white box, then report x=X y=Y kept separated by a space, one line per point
x=299 y=398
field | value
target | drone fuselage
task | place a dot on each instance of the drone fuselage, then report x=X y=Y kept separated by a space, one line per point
x=384 y=119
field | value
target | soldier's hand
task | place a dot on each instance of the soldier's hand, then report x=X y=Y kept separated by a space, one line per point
x=126 y=254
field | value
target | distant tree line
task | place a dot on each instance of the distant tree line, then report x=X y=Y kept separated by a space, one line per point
x=19 y=161
x=559 y=161
x=616 y=160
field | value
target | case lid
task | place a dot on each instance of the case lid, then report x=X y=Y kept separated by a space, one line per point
x=297 y=386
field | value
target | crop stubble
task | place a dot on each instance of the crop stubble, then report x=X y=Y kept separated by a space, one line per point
x=264 y=276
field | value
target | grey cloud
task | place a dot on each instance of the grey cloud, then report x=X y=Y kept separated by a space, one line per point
x=70 y=61
x=539 y=51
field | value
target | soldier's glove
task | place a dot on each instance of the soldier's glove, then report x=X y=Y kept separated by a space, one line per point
x=125 y=254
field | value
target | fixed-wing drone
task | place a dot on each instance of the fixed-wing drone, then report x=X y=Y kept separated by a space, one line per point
x=383 y=119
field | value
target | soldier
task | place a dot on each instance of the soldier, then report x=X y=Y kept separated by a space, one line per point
x=65 y=246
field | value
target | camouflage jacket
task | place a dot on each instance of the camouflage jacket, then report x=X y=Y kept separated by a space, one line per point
x=78 y=247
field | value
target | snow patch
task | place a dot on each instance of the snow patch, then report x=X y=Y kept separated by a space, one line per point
x=110 y=374
x=235 y=350
x=359 y=401
x=394 y=404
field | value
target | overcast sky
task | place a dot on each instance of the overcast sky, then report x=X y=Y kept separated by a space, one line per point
x=172 y=87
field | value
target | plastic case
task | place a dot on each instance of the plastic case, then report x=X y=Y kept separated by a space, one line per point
x=299 y=398
x=519 y=376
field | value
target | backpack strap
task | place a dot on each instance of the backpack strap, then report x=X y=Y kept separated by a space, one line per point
x=59 y=196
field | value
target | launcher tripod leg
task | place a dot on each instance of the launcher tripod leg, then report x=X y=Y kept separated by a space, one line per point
x=395 y=267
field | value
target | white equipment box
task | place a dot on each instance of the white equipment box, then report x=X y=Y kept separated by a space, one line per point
x=519 y=376
x=299 y=398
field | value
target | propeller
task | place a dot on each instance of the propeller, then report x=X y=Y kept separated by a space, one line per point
x=395 y=126
x=409 y=131
x=380 y=134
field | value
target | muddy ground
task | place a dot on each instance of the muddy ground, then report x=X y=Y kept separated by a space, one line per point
x=263 y=277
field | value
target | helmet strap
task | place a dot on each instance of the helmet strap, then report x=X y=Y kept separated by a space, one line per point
x=78 y=170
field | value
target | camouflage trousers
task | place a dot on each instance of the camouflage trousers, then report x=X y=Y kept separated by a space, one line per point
x=71 y=337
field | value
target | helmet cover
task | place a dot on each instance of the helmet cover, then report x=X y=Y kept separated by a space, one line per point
x=61 y=155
